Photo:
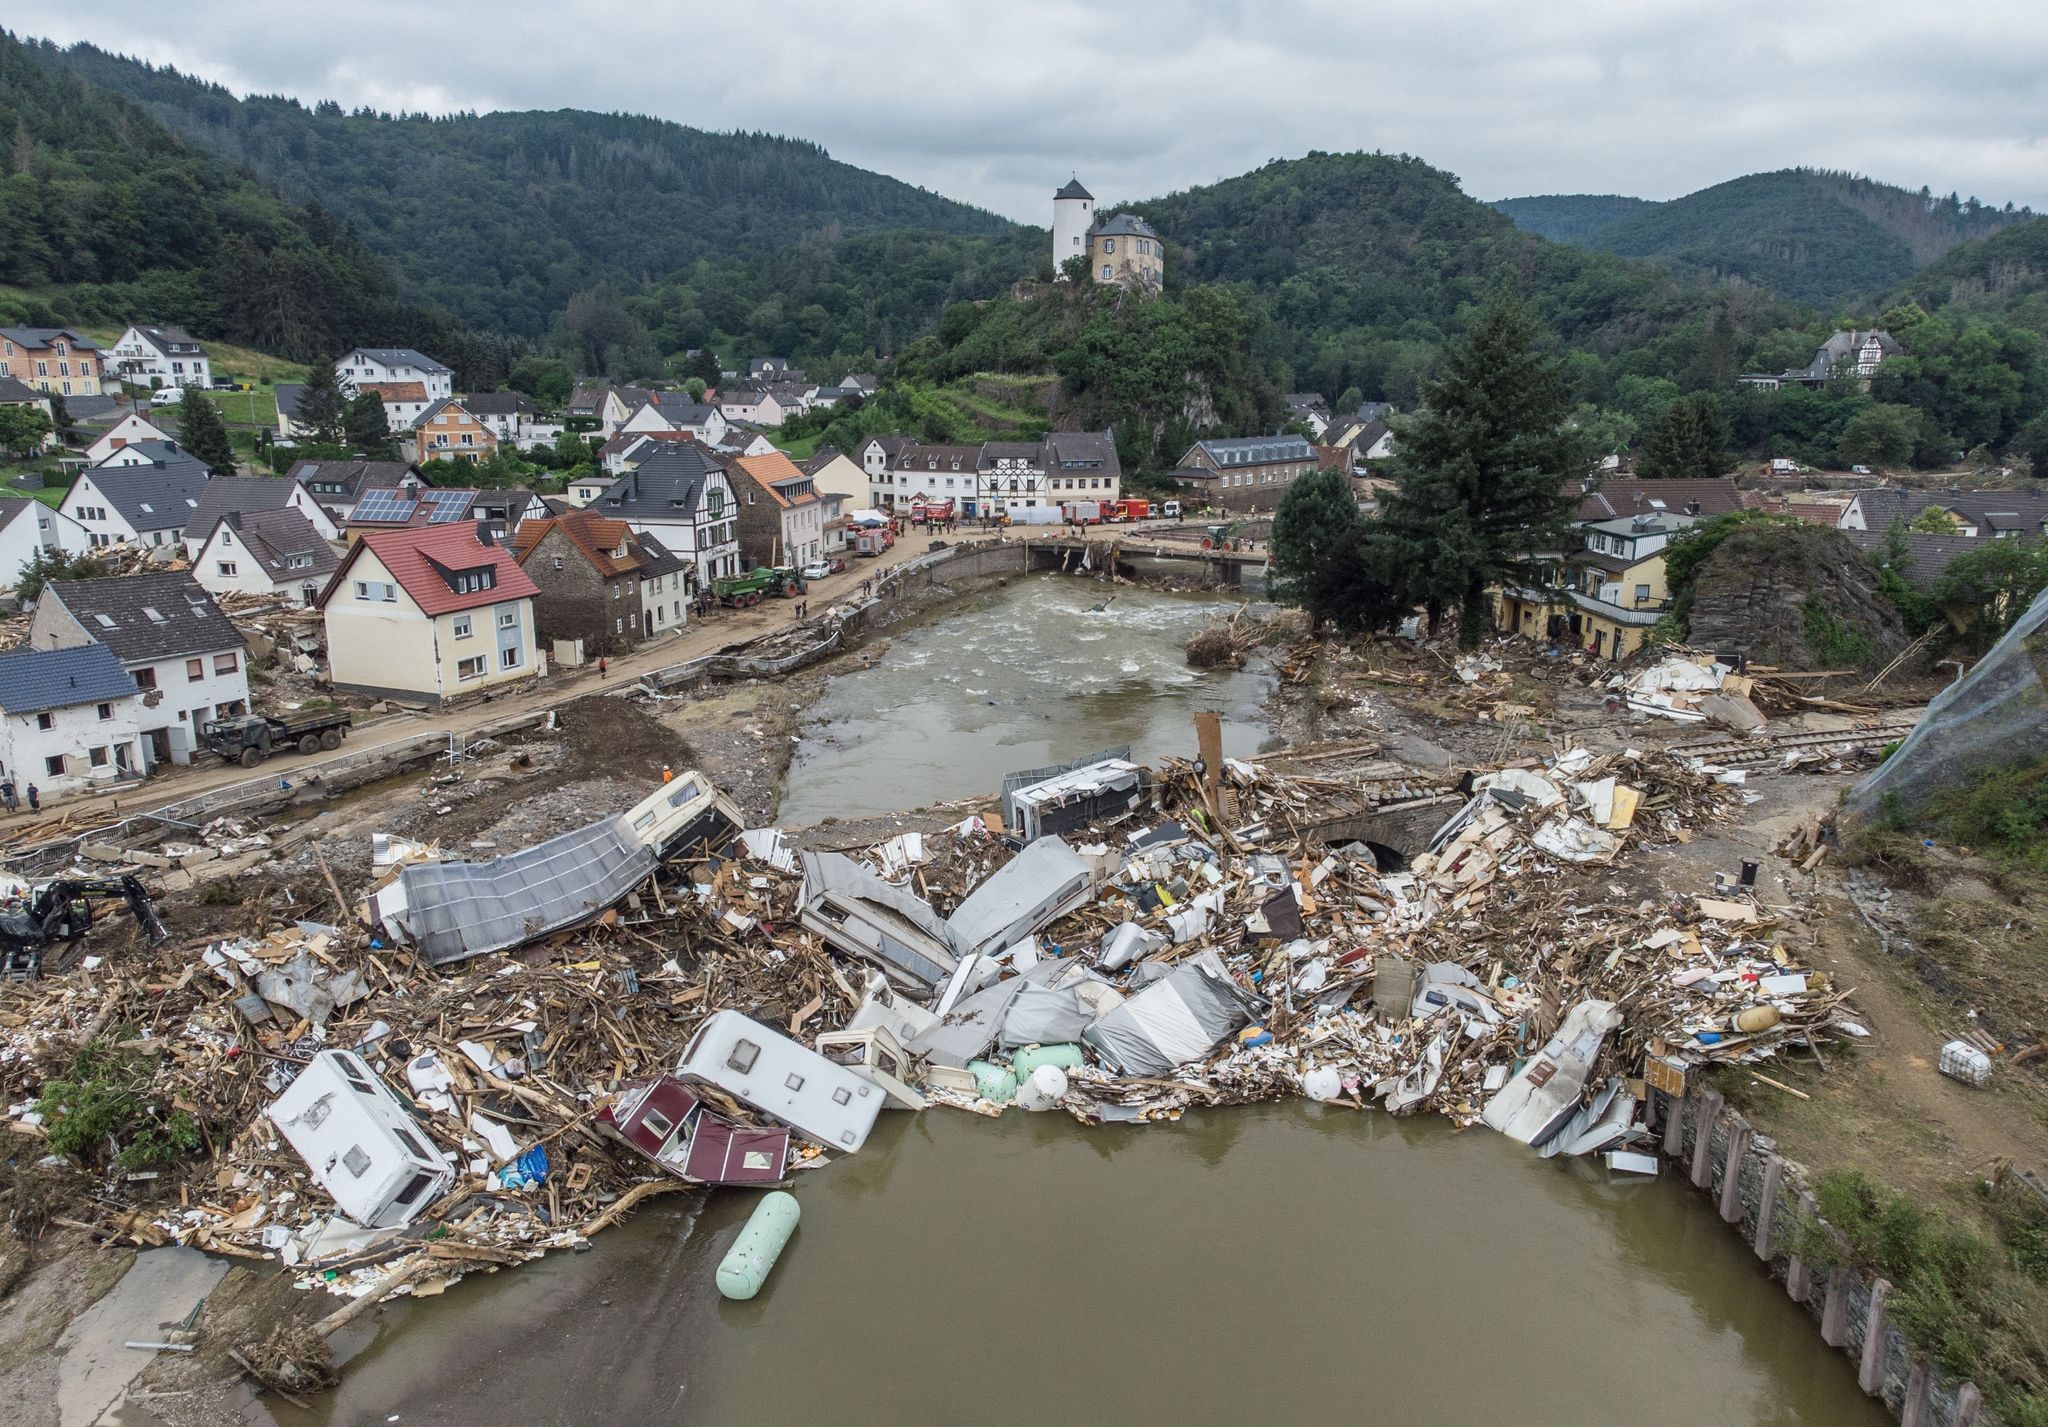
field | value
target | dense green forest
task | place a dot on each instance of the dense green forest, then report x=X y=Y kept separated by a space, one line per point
x=126 y=223
x=501 y=218
x=2005 y=275
x=1566 y=217
x=1823 y=238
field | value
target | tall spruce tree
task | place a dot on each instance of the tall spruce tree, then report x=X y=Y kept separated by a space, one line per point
x=1486 y=472
x=202 y=432
x=1688 y=442
x=366 y=430
x=1314 y=517
x=323 y=410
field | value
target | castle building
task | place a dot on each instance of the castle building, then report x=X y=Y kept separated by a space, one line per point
x=1122 y=250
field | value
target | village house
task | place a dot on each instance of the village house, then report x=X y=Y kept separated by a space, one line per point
x=1082 y=465
x=159 y=357
x=184 y=654
x=1849 y=354
x=404 y=402
x=502 y=510
x=919 y=475
x=507 y=414
x=246 y=495
x=1245 y=473
x=143 y=495
x=594 y=406
x=1010 y=475
x=781 y=518
x=1310 y=410
x=1998 y=515
x=601 y=582
x=752 y=403
x=585 y=489
x=877 y=457
x=739 y=442
x=336 y=486
x=863 y=383
x=127 y=431
x=428 y=615
x=287 y=395
x=275 y=553
x=682 y=496
x=385 y=366
x=54 y=360
x=449 y=431
x=411 y=504
x=19 y=393
x=27 y=529
x=773 y=369
x=1363 y=440
x=843 y=486
x=68 y=719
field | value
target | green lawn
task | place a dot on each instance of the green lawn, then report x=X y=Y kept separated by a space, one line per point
x=52 y=496
x=243 y=408
x=801 y=449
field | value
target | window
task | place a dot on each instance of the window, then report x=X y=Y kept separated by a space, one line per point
x=355 y=1161
x=464 y=628
x=226 y=567
x=509 y=658
x=471 y=668
x=659 y=1123
x=1642 y=593
x=558 y=562
x=1109 y=245
x=195 y=670
x=97 y=757
x=54 y=767
x=744 y=1054
x=106 y=711
x=226 y=663
x=46 y=721
x=508 y=617
x=412 y=1188
x=794 y=1082
x=145 y=678
x=1105 y=272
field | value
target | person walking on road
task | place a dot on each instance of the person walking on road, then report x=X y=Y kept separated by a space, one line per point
x=603 y=669
x=35 y=799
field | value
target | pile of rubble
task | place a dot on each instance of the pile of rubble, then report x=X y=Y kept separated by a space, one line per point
x=505 y=1056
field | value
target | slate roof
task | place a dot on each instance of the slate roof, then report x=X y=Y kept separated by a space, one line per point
x=32 y=680
x=994 y=451
x=656 y=559
x=12 y=506
x=401 y=357
x=426 y=560
x=1927 y=556
x=271 y=535
x=937 y=459
x=238 y=493
x=1612 y=499
x=13 y=391
x=354 y=477
x=497 y=403
x=667 y=485
x=1257 y=450
x=94 y=410
x=1124 y=225
x=587 y=398
x=288 y=395
x=865 y=381
x=1073 y=189
x=169 y=339
x=446 y=403
x=153 y=496
x=39 y=337
x=145 y=618
x=1082 y=451
x=2013 y=511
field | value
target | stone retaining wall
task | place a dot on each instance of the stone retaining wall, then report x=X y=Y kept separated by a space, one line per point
x=1762 y=1195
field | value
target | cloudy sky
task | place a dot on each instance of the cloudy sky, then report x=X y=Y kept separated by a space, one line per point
x=995 y=103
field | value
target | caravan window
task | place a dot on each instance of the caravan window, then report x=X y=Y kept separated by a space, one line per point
x=413 y=1188
x=686 y=791
x=795 y=1082
x=658 y=1122
x=355 y=1161
x=412 y=1142
x=842 y=1096
x=744 y=1054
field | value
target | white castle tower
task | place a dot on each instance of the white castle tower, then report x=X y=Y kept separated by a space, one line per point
x=1073 y=214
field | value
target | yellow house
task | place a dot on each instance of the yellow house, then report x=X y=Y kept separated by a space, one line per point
x=429 y=614
x=1607 y=595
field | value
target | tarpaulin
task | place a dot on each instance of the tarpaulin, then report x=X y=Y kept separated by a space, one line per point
x=1181 y=1017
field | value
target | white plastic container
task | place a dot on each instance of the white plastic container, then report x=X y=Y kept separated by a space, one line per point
x=1322 y=1083
x=1044 y=1088
x=1962 y=1061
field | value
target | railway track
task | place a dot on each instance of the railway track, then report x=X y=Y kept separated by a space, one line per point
x=1740 y=751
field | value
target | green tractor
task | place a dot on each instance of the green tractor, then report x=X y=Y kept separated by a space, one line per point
x=749 y=589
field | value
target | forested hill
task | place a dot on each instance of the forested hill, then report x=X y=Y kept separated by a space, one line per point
x=501 y=218
x=1828 y=239
x=1565 y=217
x=2005 y=275
x=105 y=217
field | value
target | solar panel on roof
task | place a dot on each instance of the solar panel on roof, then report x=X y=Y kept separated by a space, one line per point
x=384 y=504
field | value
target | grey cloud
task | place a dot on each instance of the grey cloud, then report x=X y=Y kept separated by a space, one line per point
x=996 y=104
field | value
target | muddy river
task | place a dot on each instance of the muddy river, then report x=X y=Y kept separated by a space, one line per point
x=1019 y=676
x=1275 y=1263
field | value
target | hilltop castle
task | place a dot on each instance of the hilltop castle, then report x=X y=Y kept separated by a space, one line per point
x=1123 y=250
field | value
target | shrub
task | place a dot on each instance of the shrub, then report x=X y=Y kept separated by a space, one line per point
x=105 y=1108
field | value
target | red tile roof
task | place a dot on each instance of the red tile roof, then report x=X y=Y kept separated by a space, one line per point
x=417 y=559
x=596 y=536
x=396 y=391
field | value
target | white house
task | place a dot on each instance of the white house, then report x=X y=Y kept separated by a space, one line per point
x=276 y=553
x=158 y=357
x=585 y=489
x=601 y=407
x=68 y=719
x=682 y=496
x=246 y=495
x=141 y=502
x=186 y=657
x=755 y=405
x=129 y=430
x=429 y=614
x=507 y=415
x=28 y=527
x=384 y=366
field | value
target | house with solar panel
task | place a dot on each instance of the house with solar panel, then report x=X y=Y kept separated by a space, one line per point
x=429 y=614
x=67 y=719
x=410 y=504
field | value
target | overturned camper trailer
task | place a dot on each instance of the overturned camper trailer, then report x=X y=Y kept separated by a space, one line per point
x=1038 y=886
x=875 y=1053
x=450 y=911
x=786 y=1081
x=668 y=1122
x=1097 y=791
x=859 y=914
x=364 y=1148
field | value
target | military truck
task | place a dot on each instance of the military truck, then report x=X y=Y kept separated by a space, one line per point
x=252 y=737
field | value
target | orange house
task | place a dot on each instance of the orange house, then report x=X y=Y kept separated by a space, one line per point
x=54 y=360
x=447 y=431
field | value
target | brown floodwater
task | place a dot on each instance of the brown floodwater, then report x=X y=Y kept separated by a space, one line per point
x=1272 y=1264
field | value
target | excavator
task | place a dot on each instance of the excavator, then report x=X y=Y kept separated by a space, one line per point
x=61 y=912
